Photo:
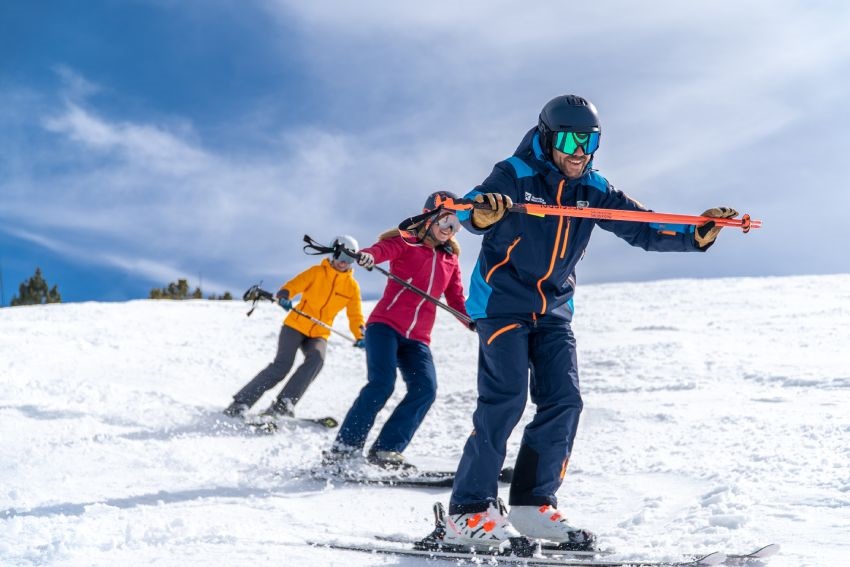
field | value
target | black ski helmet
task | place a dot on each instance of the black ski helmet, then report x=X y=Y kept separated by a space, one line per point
x=430 y=202
x=566 y=113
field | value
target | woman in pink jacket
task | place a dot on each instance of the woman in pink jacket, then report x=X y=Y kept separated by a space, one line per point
x=398 y=333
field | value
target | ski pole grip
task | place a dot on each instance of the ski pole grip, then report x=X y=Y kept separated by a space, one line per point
x=470 y=204
x=459 y=204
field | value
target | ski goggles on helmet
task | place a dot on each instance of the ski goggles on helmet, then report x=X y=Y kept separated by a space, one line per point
x=569 y=142
x=344 y=258
x=448 y=220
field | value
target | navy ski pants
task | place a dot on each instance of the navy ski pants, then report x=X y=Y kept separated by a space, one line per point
x=386 y=351
x=517 y=355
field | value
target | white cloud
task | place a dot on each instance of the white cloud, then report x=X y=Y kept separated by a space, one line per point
x=140 y=145
x=417 y=97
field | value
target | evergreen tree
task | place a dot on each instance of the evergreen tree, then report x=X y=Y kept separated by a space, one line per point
x=180 y=290
x=36 y=291
x=226 y=296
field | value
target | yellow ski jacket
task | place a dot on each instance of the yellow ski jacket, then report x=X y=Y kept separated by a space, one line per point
x=324 y=293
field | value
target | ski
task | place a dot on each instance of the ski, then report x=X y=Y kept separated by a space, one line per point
x=544 y=547
x=500 y=558
x=382 y=477
x=760 y=553
x=270 y=427
x=410 y=478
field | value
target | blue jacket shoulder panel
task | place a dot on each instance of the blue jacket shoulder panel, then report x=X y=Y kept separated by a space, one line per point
x=521 y=169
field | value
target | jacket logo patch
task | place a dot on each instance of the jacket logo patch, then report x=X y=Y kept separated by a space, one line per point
x=529 y=198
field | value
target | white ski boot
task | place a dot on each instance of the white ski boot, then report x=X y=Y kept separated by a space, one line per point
x=480 y=530
x=546 y=522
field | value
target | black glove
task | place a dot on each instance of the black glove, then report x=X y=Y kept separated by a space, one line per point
x=282 y=297
x=366 y=260
x=472 y=326
x=705 y=235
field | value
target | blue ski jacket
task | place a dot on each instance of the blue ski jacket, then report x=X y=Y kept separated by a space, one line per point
x=527 y=262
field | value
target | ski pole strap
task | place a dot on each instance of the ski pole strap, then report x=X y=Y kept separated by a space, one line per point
x=745 y=223
x=314 y=248
x=412 y=223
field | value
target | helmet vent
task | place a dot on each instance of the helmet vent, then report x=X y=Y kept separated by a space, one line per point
x=574 y=100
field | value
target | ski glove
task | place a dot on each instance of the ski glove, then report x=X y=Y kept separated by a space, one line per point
x=285 y=303
x=705 y=235
x=360 y=343
x=483 y=218
x=366 y=260
x=472 y=326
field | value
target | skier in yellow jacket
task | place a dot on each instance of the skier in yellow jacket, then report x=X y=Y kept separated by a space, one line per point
x=325 y=290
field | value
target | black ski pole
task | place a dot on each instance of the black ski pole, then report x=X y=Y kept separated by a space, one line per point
x=461 y=317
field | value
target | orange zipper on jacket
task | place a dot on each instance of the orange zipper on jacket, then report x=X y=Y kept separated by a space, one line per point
x=554 y=251
x=566 y=239
x=504 y=260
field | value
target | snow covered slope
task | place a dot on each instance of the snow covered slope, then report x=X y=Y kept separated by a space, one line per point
x=717 y=416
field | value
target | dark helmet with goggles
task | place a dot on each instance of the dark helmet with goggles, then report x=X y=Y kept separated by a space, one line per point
x=568 y=122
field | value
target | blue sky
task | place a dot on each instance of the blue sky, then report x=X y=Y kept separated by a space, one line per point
x=141 y=142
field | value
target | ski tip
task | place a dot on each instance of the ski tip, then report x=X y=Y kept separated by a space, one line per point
x=766 y=551
x=715 y=558
x=328 y=422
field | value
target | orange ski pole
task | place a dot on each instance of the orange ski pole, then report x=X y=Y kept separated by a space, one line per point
x=745 y=223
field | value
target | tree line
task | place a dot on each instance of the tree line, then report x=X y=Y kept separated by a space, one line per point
x=36 y=291
x=180 y=290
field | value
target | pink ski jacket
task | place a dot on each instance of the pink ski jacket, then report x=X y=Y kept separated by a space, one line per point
x=433 y=270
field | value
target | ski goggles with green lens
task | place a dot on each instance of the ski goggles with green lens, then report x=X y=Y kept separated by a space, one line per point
x=569 y=142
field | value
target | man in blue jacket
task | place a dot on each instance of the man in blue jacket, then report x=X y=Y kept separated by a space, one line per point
x=521 y=297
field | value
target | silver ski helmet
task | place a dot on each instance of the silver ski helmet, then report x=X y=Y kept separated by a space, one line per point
x=569 y=113
x=342 y=243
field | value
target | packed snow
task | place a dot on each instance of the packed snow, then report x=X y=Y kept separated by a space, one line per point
x=717 y=417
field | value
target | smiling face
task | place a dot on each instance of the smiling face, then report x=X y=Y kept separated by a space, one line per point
x=444 y=226
x=341 y=265
x=571 y=165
